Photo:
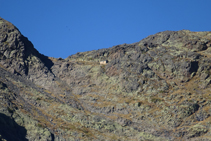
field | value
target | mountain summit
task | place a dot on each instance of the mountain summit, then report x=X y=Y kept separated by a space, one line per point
x=155 y=89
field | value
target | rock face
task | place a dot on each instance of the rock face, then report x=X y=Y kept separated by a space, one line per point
x=155 y=89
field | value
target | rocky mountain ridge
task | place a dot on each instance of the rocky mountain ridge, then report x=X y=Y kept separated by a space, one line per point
x=155 y=89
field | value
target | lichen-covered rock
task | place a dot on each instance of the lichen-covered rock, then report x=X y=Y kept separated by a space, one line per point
x=155 y=89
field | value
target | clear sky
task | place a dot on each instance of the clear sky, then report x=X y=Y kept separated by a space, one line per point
x=59 y=28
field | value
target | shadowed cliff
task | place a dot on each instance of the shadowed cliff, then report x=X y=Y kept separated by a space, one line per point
x=10 y=130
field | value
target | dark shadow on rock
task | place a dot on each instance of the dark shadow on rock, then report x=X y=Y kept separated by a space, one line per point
x=195 y=107
x=52 y=137
x=48 y=63
x=30 y=50
x=194 y=67
x=10 y=130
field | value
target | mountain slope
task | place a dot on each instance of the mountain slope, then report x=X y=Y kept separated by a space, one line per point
x=155 y=89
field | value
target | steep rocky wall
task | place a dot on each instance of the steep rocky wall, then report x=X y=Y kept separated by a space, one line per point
x=20 y=57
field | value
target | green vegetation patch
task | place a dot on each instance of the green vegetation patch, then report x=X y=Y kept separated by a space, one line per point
x=155 y=100
x=10 y=110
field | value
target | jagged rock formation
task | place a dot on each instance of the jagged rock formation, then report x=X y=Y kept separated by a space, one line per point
x=155 y=89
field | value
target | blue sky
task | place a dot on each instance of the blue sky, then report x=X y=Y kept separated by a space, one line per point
x=65 y=27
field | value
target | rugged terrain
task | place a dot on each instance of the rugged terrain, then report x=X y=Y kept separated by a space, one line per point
x=155 y=89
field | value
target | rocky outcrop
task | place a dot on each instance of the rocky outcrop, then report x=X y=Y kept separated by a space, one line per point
x=19 y=56
x=155 y=89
